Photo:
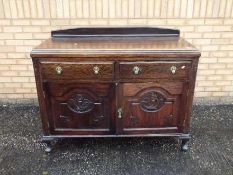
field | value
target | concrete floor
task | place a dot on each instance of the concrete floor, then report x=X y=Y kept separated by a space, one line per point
x=211 y=148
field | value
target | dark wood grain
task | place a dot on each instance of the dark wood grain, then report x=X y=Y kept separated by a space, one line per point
x=148 y=108
x=110 y=48
x=157 y=69
x=77 y=70
x=81 y=103
x=80 y=108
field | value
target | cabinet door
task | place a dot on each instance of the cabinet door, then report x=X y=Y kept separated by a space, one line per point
x=148 y=108
x=80 y=108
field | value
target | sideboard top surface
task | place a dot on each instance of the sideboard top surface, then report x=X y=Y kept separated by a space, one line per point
x=138 y=43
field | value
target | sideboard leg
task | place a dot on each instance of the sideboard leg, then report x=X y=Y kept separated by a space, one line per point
x=48 y=144
x=48 y=147
x=184 y=142
x=184 y=145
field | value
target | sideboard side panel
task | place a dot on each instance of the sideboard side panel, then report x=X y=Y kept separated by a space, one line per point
x=41 y=98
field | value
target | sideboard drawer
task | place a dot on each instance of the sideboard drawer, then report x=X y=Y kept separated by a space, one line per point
x=158 y=69
x=77 y=70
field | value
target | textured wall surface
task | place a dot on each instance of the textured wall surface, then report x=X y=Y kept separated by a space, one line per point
x=208 y=24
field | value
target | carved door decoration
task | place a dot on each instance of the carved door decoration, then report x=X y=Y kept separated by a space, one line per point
x=80 y=103
x=152 y=101
x=81 y=108
x=148 y=108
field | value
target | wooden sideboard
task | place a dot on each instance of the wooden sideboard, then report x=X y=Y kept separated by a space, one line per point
x=115 y=82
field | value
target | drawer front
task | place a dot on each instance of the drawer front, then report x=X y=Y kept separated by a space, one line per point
x=159 y=69
x=77 y=70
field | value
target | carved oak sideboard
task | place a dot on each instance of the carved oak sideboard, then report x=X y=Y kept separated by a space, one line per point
x=115 y=82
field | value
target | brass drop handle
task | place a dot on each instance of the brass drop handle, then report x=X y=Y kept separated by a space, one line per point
x=59 y=70
x=173 y=69
x=136 y=70
x=120 y=112
x=96 y=70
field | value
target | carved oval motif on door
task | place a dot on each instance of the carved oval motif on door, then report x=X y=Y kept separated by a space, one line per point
x=81 y=103
x=152 y=101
